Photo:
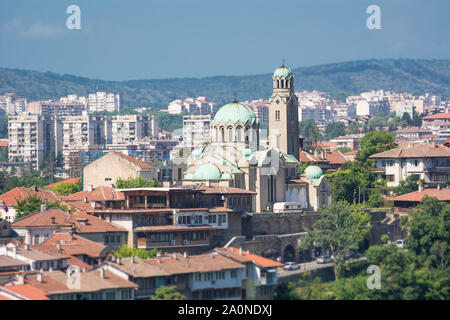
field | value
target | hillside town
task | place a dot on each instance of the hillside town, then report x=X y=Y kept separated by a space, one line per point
x=98 y=203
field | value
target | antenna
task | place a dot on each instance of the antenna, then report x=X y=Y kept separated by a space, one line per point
x=235 y=97
x=284 y=60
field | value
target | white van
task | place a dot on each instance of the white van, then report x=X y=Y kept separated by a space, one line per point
x=283 y=207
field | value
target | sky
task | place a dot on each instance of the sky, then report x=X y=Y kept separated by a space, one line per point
x=146 y=39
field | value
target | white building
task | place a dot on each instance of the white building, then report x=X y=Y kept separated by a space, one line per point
x=104 y=101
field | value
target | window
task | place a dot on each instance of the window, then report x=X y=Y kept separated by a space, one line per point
x=277 y=115
x=233 y=273
x=111 y=295
x=239 y=133
x=390 y=178
x=36 y=239
x=230 y=134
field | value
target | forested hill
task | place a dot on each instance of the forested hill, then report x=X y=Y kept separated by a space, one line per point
x=338 y=79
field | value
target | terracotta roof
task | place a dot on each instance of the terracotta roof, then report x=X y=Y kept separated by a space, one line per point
x=54 y=282
x=223 y=190
x=3 y=143
x=137 y=162
x=70 y=180
x=337 y=158
x=437 y=116
x=83 y=222
x=27 y=291
x=171 y=227
x=72 y=246
x=234 y=253
x=441 y=195
x=37 y=255
x=307 y=157
x=20 y=193
x=414 y=150
x=98 y=194
x=411 y=129
x=7 y=261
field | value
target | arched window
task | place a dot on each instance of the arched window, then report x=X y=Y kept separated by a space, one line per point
x=230 y=134
x=239 y=133
x=222 y=134
x=246 y=134
x=216 y=134
x=282 y=83
x=278 y=83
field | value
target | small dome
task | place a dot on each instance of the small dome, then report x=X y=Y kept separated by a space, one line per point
x=189 y=176
x=313 y=172
x=207 y=171
x=283 y=71
x=235 y=112
x=247 y=152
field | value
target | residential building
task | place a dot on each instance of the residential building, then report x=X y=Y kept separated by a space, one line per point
x=103 y=101
x=31 y=139
x=12 y=104
x=428 y=162
x=22 y=292
x=412 y=133
x=373 y=107
x=129 y=128
x=348 y=141
x=408 y=201
x=114 y=165
x=196 y=131
x=199 y=106
x=260 y=108
x=56 y=108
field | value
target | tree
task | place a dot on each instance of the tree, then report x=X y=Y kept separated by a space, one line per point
x=167 y=293
x=306 y=127
x=411 y=184
x=138 y=182
x=32 y=204
x=3 y=154
x=68 y=188
x=340 y=228
x=375 y=142
x=126 y=252
x=376 y=199
x=333 y=130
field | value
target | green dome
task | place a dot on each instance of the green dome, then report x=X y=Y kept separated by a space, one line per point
x=226 y=176
x=207 y=171
x=282 y=71
x=313 y=172
x=235 y=112
x=189 y=176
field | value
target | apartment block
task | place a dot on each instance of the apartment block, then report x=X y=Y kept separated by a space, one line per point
x=31 y=138
x=12 y=104
x=103 y=101
x=130 y=128
x=56 y=108
x=196 y=130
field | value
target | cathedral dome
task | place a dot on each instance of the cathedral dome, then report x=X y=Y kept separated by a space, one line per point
x=313 y=172
x=207 y=171
x=283 y=71
x=235 y=112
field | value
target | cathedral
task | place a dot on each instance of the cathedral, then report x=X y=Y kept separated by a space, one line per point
x=235 y=158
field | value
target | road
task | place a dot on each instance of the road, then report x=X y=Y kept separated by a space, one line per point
x=308 y=266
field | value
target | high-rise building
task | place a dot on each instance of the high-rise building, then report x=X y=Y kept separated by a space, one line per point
x=31 y=139
x=103 y=101
x=129 y=128
x=196 y=130
x=283 y=113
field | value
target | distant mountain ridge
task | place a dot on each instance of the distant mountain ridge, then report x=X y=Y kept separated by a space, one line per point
x=416 y=76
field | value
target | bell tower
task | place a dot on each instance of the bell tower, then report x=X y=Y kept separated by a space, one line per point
x=283 y=113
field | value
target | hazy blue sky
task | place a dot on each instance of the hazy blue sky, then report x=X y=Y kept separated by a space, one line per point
x=136 y=39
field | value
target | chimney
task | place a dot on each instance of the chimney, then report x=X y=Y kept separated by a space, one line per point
x=175 y=255
x=159 y=260
x=119 y=260
x=51 y=268
x=58 y=246
x=84 y=269
x=240 y=251
x=133 y=259
x=85 y=199
x=43 y=207
x=420 y=186
x=158 y=254
x=185 y=255
x=439 y=187
x=53 y=220
x=39 y=277
x=90 y=188
x=27 y=247
x=102 y=273
x=20 y=279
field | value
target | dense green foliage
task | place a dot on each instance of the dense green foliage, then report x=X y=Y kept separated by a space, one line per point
x=374 y=142
x=338 y=79
x=3 y=154
x=26 y=178
x=126 y=252
x=169 y=122
x=138 y=182
x=411 y=184
x=334 y=129
x=167 y=293
x=306 y=127
x=32 y=204
x=68 y=188
x=340 y=229
x=4 y=128
x=418 y=273
x=375 y=200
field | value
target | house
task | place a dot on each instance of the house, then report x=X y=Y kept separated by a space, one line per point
x=8 y=200
x=7 y=234
x=114 y=165
x=436 y=121
x=88 y=252
x=22 y=292
x=431 y=163
x=407 y=201
x=197 y=277
x=38 y=227
x=337 y=159
x=76 y=285
x=261 y=273
x=100 y=197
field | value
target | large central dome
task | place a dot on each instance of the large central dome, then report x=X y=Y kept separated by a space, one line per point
x=235 y=112
x=283 y=72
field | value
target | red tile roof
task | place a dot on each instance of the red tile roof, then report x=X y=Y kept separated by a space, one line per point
x=74 y=245
x=441 y=195
x=70 y=180
x=98 y=194
x=234 y=253
x=3 y=143
x=437 y=116
x=337 y=158
x=20 y=193
x=27 y=291
x=414 y=150
x=223 y=190
x=307 y=157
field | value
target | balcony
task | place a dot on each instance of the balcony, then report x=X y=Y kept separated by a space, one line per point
x=379 y=170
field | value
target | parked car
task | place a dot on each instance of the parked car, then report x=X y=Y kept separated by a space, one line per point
x=400 y=243
x=291 y=266
x=324 y=259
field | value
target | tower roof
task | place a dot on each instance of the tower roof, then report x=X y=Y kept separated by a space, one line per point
x=313 y=172
x=283 y=72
